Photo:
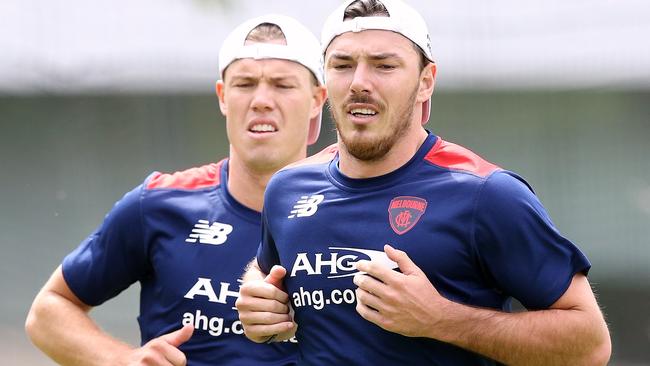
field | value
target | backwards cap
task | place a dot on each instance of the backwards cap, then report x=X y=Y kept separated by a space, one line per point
x=301 y=47
x=402 y=19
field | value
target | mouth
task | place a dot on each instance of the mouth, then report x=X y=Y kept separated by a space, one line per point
x=362 y=112
x=262 y=128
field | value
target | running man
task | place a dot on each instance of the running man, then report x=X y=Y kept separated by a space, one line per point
x=186 y=237
x=396 y=247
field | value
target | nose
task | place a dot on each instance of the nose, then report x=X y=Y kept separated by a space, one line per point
x=361 y=79
x=262 y=98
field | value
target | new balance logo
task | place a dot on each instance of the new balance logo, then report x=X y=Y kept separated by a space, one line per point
x=306 y=206
x=215 y=234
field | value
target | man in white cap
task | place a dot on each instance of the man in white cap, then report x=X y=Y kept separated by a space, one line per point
x=400 y=248
x=186 y=237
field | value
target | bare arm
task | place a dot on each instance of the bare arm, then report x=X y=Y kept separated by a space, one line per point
x=263 y=305
x=58 y=323
x=571 y=332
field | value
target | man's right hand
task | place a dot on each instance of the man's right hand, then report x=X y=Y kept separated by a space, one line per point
x=58 y=323
x=161 y=351
x=264 y=308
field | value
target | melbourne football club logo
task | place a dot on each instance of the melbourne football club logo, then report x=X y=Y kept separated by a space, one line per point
x=404 y=212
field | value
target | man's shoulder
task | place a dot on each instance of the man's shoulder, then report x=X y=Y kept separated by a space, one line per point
x=205 y=176
x=322 y=157
x=303 y=174
x=454 y=157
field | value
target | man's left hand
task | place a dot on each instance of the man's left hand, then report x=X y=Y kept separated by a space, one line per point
x=405 y=303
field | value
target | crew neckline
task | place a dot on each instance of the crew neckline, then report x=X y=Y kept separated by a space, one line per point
x=362 y=184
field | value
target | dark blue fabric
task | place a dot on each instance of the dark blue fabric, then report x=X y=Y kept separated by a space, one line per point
x=481 y=240
x=143 y=238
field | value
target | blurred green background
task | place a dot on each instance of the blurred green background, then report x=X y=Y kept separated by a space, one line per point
x=66 y=160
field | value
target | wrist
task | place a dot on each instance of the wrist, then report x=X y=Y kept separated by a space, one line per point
x=444 y=321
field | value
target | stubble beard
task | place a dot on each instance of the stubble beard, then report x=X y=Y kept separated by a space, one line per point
x=375 y=149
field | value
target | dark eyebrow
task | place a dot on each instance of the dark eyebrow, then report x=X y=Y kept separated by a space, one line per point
x=384 y=56
x=274 y=78
x=240 y=78
x=341 y=56
x=373 y=57
x=284 y=78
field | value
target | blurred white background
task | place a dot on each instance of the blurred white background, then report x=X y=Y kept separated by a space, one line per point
x=66 y=46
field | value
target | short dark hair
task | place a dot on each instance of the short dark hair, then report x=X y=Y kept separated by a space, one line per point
x=374 y=8
x=365 y=8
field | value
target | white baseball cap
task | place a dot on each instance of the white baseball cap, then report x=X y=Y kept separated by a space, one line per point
x=402 y=19
x=301 y=47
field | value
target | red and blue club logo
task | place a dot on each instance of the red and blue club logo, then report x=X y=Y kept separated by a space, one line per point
x=404 y=212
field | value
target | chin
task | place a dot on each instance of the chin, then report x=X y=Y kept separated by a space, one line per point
x=265 y=161
x=368 y=150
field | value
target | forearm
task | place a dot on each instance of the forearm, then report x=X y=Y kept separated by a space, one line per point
x=572 y=331
x=62 y=329
x=545 y=337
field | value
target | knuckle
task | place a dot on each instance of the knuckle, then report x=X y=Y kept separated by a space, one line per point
x=245 y=288
x=359 y=295
x=151 y=346
x=246 y=318
x=359 y=310
x=400 y=282
x=362 y=309
x=392 y=297
x=370 y=266
x=147 y=357
x=284 y=308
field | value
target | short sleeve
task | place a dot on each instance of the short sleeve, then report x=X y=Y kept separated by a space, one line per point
x=518 y=245
x=113 y=257
x=267 y=253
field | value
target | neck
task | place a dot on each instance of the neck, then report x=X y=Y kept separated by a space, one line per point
x=247 y=185
x=399 y=154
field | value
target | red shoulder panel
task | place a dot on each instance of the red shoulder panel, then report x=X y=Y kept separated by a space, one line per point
x=194 y=178
x=449 y=155
x=323 y=156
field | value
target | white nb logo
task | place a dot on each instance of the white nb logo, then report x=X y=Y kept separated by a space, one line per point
x=306 y=206
x=215 y=234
